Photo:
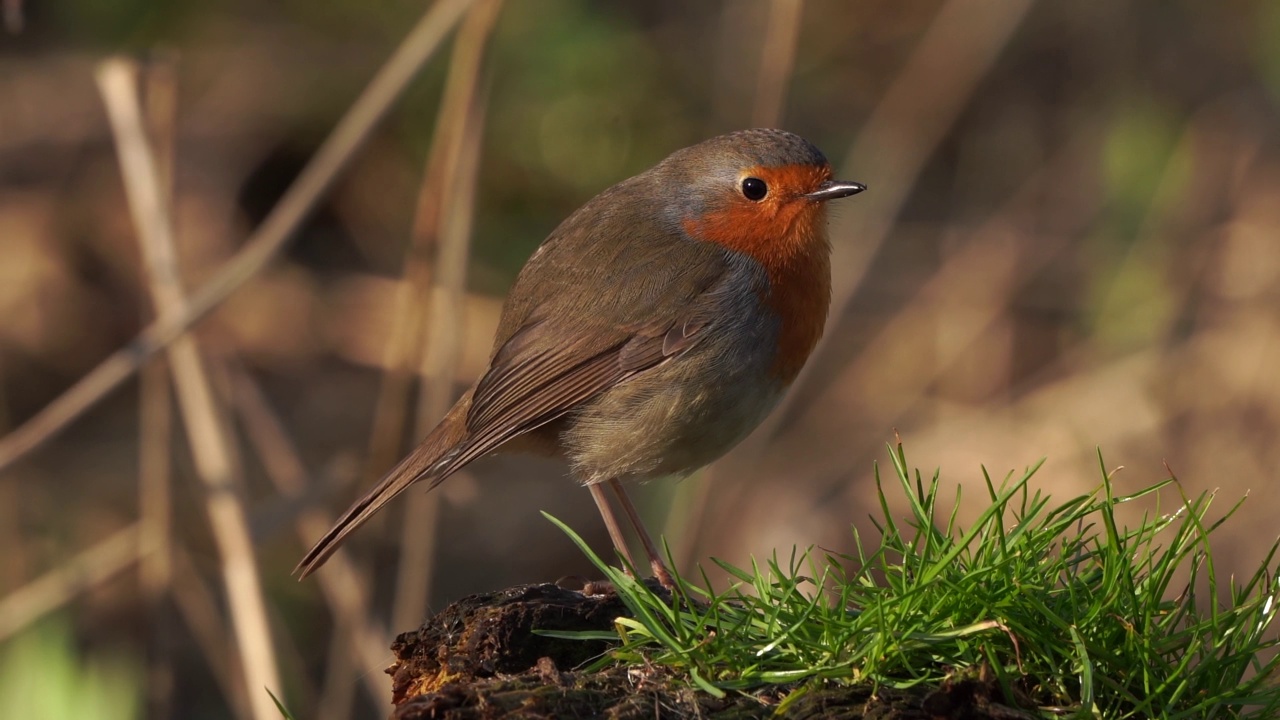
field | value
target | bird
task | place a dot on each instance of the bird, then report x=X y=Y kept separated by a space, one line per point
x=650 y=332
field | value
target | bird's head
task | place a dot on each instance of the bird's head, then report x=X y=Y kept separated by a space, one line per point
x=763 y=193
x=760 y=192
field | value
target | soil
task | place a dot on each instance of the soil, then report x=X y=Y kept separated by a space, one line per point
x=480 y=659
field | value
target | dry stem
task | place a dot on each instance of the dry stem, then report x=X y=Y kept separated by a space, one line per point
x=261 y=247
x=207 y=433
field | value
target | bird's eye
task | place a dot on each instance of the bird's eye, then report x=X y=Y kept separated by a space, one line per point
x=753 y=188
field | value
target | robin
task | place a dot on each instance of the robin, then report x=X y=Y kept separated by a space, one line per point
x=651 y=331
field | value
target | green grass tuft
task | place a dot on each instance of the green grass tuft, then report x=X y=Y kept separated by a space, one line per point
x=1071 y=613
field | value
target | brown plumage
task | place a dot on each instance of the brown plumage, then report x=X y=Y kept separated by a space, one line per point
x=652 y=330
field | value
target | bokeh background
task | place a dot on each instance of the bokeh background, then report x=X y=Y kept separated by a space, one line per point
x=1070 y=242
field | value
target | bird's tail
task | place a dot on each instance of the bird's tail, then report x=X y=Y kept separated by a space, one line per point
x=428 y=462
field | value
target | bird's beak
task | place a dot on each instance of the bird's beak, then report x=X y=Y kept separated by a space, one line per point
x=832 y=189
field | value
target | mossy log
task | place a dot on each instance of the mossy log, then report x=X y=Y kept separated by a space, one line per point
x=481 y=659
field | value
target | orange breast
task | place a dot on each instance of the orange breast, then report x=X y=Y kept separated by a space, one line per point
x=788 y=238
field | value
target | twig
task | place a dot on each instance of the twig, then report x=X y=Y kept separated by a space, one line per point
x=403 y=352
x=402 y=357
x=462 y=118
x=198 y=608
x=155 y=432
x=345 y=590
x=58 y=587
x=206 y=432
x=261 y=247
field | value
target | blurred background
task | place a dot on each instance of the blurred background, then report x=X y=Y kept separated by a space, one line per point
x=1070 y=242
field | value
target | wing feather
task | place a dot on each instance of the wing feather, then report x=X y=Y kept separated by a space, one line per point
x=533 y=379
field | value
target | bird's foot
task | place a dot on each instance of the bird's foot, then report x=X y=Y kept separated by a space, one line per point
x=662 y=574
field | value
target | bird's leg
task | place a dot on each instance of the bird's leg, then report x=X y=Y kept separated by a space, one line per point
x=611 y=524
x=655 y=558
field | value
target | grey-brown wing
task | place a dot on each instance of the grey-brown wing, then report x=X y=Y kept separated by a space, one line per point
x=537 y=376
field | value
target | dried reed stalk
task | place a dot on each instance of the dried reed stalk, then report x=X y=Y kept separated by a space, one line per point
x=207 y=433
x=344 y=587
x=200 y=612
x=265 y=243
x=444 y=218
x=155 y=424
x=72 y=577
